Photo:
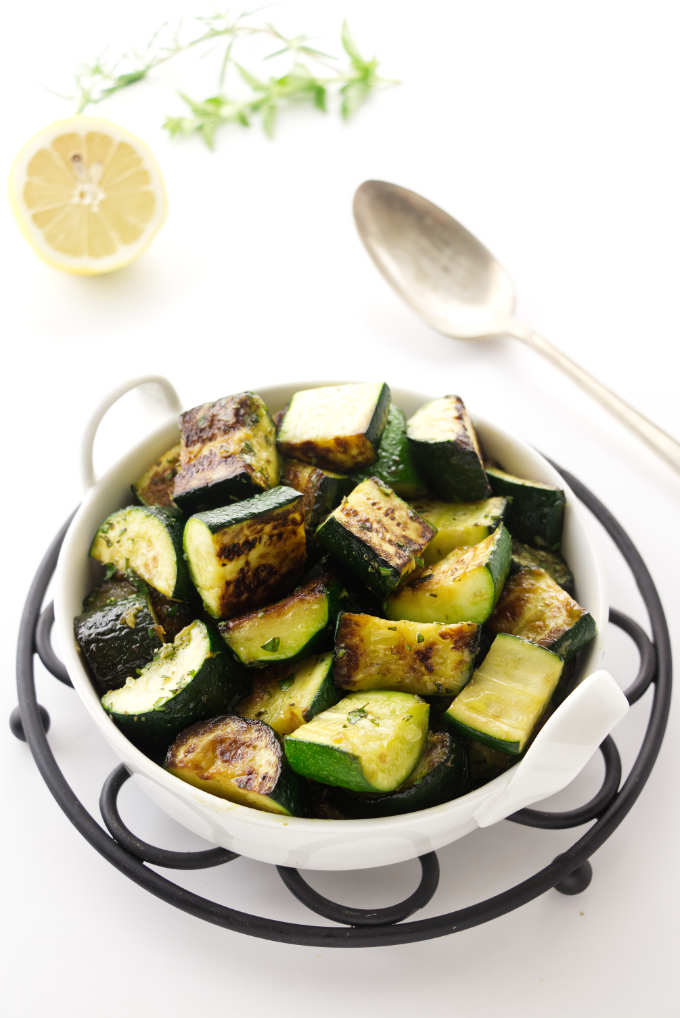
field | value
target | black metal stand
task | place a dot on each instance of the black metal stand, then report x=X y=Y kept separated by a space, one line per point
x=570 y=872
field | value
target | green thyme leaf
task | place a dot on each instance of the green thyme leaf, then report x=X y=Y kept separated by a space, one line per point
x=272 y=645
x=242 y=93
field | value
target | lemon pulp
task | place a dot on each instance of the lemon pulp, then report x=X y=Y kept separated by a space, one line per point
x=87 y=194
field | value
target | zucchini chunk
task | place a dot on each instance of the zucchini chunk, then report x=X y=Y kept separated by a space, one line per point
x=459 y=523
x=446 y=450
x=290 y=629
x=188 y=680
x=507 y=694
x=117 y=639
x=368 y=742
x=336 y=426
x=109 y=591
x=485 y=762
x=532 y=605
x=440 y=774
x=463 y=587
x=417 y=657
x=155 y=486
x=228 y=452
x=551 y=561
x=173 y=615
x=286 y=696
x=237 y=759
x=536 y=511
x=242 y=555
x=148 y=540
x=322 y=490
x=395 y=464
x=376 y=536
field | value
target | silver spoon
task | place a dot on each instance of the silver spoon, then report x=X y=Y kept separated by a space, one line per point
x=459 y=288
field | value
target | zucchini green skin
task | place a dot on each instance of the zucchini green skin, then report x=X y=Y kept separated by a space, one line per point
x=156 y=484
x=319 y=601
x=109 y=591
x=216 y=687
x=535 y=514
x=450 y=463
x=486 y=763
x=536 y=608
x=228 y=453
x=322 y=490
x=286 y=696
x=368 y=742
x=242 y=555
x=111 y=545
x=350 y=439
x=376 y=536
x=117 y=639
x=552 y=562
x=451 y=589
x=417 y=657
x=441 y=774
x=395 y=464
x=221 y=757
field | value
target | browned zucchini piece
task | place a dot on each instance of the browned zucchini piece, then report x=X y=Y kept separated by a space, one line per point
x=376 y=536
x=417 y=657
x=238 y=759
x=533 y=606
x=337 y=427
x=228 y=452
x=322 y=490
x=243 y=555
x=447 y=452
x=155 y=486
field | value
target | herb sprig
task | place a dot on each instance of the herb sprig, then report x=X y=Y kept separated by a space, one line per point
x=241 y=96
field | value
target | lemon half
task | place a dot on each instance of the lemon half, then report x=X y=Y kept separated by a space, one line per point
x=88 y=195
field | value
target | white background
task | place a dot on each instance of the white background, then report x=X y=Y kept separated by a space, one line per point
x=551 y=131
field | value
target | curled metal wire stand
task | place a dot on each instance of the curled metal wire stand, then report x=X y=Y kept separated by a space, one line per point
x=570 y=872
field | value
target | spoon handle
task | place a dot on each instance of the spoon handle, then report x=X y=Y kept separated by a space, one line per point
x=662 y=443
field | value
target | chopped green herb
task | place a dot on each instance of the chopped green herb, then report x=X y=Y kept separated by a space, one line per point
x=420 y=638
x=392 y=629
x=385 y=571
x=109 y=571
x=355 y=716
x=286 y=683
x=272 y=645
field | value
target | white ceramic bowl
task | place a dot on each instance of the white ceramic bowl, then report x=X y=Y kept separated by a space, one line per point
x=560 y=751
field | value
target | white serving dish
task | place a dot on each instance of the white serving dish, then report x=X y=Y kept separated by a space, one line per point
x=562 y=748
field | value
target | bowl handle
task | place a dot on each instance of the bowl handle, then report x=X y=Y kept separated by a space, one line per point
x=170 y=398
x=561 y=749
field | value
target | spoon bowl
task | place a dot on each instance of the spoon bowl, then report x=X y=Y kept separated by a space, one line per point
x=437 y=266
